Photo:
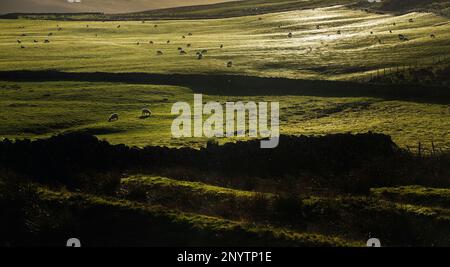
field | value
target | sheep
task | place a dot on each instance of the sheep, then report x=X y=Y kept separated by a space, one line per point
x=50 y=34
x=22 y=47
x=35 y=41
x=221 y=46
x=230 y=64
x=151 y=42
x=339 y=32
x=19 y=42
x=401 y=37
x=200 y=56
x=290 y=35
x=188 y=45
x=46 y=41
x=190 y=34
x=146 y=113
x=182 y=52
x=433 y=36
x=318 y=27
x=390 y=31
x=118 y=26
x=159 y=53
x=168 y=41
x=113 y=117
x=24 y=34
x=204 y=51
x=179 y=48
x=371 y=32
x=137 y=43
x=411 y=20
x=394 y=23
x=184 y=37
x=156 y=26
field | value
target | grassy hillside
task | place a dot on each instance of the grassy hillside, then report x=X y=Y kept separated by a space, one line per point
x=32 y=110
x=256 y=47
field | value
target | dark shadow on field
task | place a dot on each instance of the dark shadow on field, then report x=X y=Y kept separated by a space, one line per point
x=239 y=85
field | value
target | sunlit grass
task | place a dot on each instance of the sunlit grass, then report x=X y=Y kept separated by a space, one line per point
x=33 y=110
x=256 y=47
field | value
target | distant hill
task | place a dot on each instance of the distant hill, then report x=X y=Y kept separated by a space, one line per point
x=104 y=6
x=232 y=8
x=441 y=7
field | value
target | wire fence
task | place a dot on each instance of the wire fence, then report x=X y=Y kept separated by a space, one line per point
x=419 y=64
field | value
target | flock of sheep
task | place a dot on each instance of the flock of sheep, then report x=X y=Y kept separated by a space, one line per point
x=199 y=54
x=401 y=37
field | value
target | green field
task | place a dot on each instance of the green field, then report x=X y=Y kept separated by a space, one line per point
x=257 y=45
x=33 y=110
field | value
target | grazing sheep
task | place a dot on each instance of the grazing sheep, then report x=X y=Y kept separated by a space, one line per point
x=339 y=32
x=23 y=35
x=168 y=41
x=184 y=37
x=19 y=42
x=50 y=34
x=290 y=35
x=179 y=48
x=23 y=47
x=394 y=23
x=411 y=20
x=390 y=31
x=146 y=113
x=46 y=41
x=151 y=42
x=221 y=46
x=137 y=43
x=118 y=26
x=59 y=29
x=156 y=26
x=182 y=52
x=401 y=37
x=204 y=51
x=35 y=41
x=230 y=64
x=200 y=56
x=159 y=53
x=318 y=27
x=113 y=117
x=188 y=45
x=371 y=32
x=87 y=26
x=190 y=34
x=433 y=36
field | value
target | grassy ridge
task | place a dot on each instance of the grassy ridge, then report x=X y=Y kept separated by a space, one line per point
x=415 y=194
x=174 y=227
x=353 y=217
